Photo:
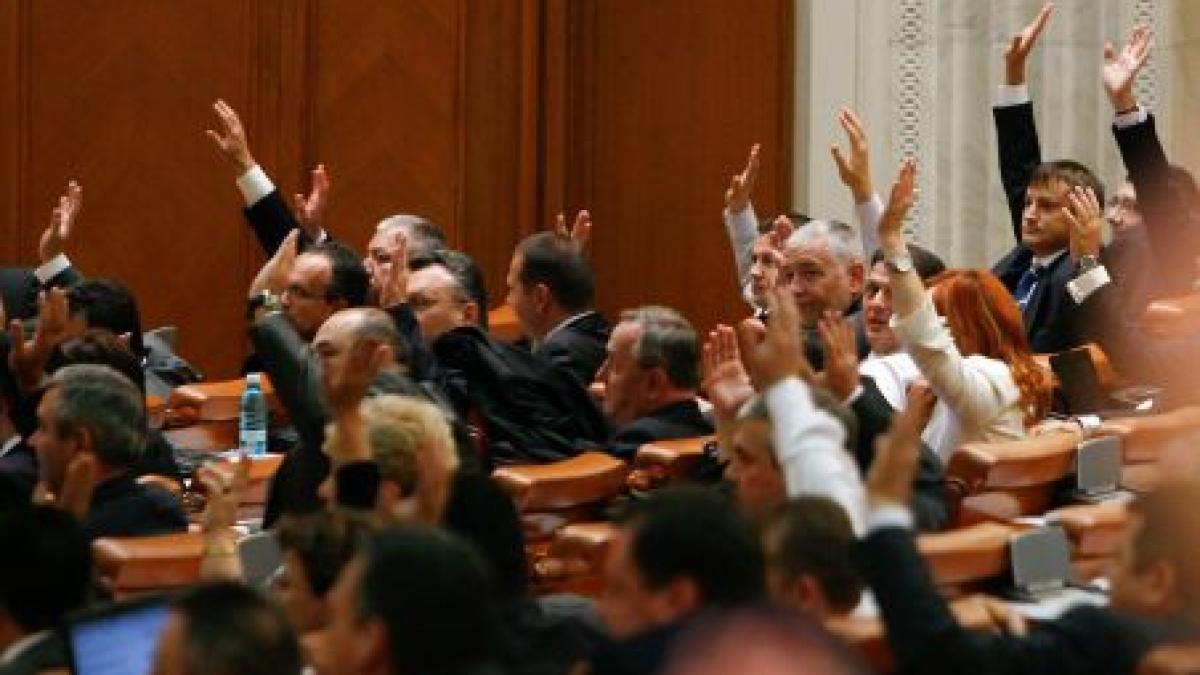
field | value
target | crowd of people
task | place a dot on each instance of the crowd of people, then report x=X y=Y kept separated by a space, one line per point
x=861 y=365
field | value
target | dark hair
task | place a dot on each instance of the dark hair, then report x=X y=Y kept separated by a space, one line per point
x=926 y=263
x=1070 y=172
x=430 y=590
x=231 y=629
x=349 y=280
x=694 y=532
x=667 y=340
x=486 y=517
x=103 y=348
x=324 y=541
x=466 y=275
x=107 y=304
x=46 y=571
x=547 y=258
x=814 y=537
x=1170 y=533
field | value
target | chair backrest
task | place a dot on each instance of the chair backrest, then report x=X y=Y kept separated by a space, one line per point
x=967 y=555
x=1006 y=479
x=140 y=564
x=586 y=479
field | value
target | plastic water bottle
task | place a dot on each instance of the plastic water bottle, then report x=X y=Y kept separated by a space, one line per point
x=252 y=431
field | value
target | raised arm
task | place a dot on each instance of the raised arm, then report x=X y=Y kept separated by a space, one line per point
x=1016 y=133
x=740 y=222
x=854 y=168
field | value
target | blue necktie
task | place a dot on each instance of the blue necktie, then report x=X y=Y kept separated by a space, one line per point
x=1028 y=284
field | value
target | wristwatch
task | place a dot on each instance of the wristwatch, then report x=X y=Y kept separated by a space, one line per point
x=1087 y=263
x=898 y=262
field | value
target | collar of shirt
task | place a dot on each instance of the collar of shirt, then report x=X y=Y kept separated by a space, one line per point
x=565 y=322
x=1045 y=261
x=21 y=646
x=9 y=445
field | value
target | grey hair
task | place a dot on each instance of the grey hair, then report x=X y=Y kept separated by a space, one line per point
x=107 y=405
x=843 y=241
x=423 y=235
x=667 y=340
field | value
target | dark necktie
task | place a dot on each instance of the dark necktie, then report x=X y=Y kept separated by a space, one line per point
x=1028 y=284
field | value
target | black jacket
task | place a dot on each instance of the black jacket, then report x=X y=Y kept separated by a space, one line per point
x=578 y=347
x=678 y=420
x=924 y=636
x=122 y=507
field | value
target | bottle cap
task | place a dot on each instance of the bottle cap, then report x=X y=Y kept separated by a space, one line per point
x=254 y=379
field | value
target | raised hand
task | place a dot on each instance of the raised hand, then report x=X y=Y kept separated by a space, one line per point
x=274 y=273
x=904 y=192
x=741 y=185
x=27 y=360
x=346 y=380
x=225 y=491
x=1022 y=43
x=62 y=219
x=854 y=168
x=841 y=354
x=897 y=453
x=231 y=140
x=79 y=483
x=777 y=354
x=1120 y=70
x=580 y=232
x=726 y=381
x=310 y=208
x=781 y=231
x=1086 y=220
x=395 y=283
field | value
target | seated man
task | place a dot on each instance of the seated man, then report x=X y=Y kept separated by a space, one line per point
x=650 y=377
x=93 y=412
x=684 y=551
x=45 y=575
x=1153 y=597
x=226 y=628
x=809 y=546
x=551 y=289
x=415 y=600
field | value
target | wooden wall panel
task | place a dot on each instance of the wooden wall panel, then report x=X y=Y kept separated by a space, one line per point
x=664 y=99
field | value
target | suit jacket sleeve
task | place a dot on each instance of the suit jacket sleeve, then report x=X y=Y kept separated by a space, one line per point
x=924 y=636
x=272 y=220
x=294 y=374
x=1020 y=153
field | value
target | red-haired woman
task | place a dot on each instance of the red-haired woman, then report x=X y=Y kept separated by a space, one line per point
x=966 y=337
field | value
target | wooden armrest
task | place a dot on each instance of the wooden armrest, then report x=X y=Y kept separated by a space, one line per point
x=1144 y=438
x=672 y=453
x=166 y=483
x=1036 y=460
x=967 y=554
x=584 y=541
x=218 y=400
x=1094 y=529
x=588 y=478
x=145 y=563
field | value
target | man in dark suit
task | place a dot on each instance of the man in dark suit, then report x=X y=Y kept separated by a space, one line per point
x=1153 y=597
x=92 y=410
x=650 y=377
x=45 y=574
x=551 y=290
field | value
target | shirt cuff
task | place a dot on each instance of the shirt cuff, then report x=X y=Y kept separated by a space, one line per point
x=54 y=267
x=1134 y=117
x=1009 y=95
x=1082 y=286
x=889 y=515
x=255 y=184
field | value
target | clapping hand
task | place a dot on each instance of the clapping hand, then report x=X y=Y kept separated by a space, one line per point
x=580 y=232
x=841 y=354
x=776 y=353
x=741 y=185
x=311 y=208
x=27 y=360
x=231 y=140
x=1121 y=69
x=725 y=379
x=854 y=168
x=62 y=219
x=1086 y=220
x=1022 y=43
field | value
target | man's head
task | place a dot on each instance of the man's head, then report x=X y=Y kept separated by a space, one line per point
x=1044 y=229
x=398 y=430
x=415 y=600
x=683 y=550
x=446 y=291
x=350 y=330
x=765 y=264
x=809 y=548
x=652 y=362
x=315 y=549
x=90 y=409
x=99 y=346
x=753 y=468
x=1122 y=212
x=325 y=278
x=1155 y=572
x=226 y=628
x=103 y=303
x=823 y=267
x=45 y=573
x=421 y=235
x=877 y=296
x=548 y=281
